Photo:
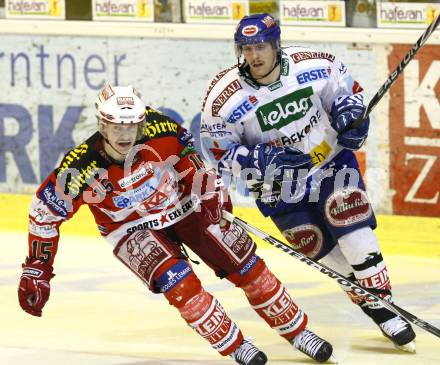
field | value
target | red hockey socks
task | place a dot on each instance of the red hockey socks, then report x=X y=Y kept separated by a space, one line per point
x=271 y=301
x=205 y=315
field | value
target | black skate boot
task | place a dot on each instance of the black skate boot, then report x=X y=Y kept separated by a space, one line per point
x=248 y=354
x=313 y=346
x=400 y=333
x=393 y=327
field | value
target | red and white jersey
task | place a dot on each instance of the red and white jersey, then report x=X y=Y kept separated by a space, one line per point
x=150 y=190
x=292 y=111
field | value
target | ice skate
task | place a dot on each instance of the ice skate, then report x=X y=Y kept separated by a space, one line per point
x=400 y=333
x=248 y=354
x=313 y=346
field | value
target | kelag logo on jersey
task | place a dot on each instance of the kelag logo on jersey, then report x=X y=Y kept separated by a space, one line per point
x=311 y=75
x=285 y=110
x=242 y=109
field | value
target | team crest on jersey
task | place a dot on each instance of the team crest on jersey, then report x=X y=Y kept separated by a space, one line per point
x=285 y=110
x=240 y=110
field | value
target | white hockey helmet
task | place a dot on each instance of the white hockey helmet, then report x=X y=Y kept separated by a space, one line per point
x=120 y=105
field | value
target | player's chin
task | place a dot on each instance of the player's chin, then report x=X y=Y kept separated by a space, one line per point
x=258 y=71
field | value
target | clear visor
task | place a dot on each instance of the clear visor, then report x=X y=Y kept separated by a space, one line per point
x=116 y=132
x=252 y=41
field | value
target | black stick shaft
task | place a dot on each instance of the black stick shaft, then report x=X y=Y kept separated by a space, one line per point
x=396 y=73
x=342 y=280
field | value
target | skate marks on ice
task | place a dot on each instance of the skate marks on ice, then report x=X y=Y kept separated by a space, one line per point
x=98 y=314
x=21 y=356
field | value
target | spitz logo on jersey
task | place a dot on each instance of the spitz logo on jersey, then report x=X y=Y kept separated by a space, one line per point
x=285 y=109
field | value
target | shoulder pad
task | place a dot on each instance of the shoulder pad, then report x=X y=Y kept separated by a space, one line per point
x=79 y=157
x=214 y=81
x=299 y=54
x=82 y=164
x=159 y=125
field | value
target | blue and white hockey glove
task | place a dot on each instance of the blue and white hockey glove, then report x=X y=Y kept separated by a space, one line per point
x=345 y=110
x=266 y=162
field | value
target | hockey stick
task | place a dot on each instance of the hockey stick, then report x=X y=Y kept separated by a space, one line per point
x=396 y=73
x=342 y=280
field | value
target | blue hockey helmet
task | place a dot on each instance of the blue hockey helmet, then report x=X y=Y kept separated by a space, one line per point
x=257 y=28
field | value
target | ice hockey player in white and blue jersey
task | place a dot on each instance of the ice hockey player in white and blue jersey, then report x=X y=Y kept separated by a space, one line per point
x=280 y=121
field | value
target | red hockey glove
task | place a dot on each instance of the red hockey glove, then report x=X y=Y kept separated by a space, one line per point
x=209 y=187
x=34 y=287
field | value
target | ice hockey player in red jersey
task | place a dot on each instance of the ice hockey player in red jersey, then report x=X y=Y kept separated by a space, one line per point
x=149 y=192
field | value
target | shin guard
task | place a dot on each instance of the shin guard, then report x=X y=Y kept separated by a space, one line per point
x=205 y=314
x=271 y=301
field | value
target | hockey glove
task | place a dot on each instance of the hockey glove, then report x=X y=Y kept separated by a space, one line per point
x=34 y=287
x=275 y=163
x=214 y=197
x=344 y=112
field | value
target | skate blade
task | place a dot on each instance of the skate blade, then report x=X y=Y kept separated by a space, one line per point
x=332 y=360
x=409 y=347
